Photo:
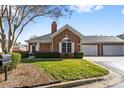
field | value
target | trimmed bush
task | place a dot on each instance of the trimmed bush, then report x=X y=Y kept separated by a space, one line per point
x=24 y=54
x=16 y=58
x=47 y=55
x=78 y=55
x=66 y=55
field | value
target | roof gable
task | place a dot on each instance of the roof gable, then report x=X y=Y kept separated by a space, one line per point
x=67 y=27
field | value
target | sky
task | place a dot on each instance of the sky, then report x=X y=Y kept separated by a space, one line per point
x=88 y=20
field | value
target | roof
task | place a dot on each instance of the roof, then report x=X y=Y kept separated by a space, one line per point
x=121 y=36
x=67 y=27
x=47 y=38
x=101 y=39
x=84 y=39
x=41 y=39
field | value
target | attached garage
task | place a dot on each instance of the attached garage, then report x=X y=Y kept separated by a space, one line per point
x=102 y=46
x=113 y=50
x=90 y=50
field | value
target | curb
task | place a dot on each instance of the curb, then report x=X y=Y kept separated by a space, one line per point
x=73 y=83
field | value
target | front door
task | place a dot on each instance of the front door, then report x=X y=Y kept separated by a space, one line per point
x=33 y=49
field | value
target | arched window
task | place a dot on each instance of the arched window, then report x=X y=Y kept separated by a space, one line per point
x=66 y=45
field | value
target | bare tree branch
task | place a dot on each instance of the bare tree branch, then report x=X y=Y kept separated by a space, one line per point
x=23 y=15
x=16 y=10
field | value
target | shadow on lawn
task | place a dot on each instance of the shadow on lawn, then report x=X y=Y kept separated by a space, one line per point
x=41 y=60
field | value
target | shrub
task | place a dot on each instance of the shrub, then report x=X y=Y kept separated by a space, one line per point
x=47 y=55
x=24 y=54
x=66 y=55
x=78 y=55
x=16 y=59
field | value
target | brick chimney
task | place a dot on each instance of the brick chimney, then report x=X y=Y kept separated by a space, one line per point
x=53 y=27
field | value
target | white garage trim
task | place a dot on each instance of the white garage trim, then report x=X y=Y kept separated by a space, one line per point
x=112 y=50
x=90 y=50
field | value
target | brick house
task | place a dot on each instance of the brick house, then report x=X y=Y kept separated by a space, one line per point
x=68 y=40
x=18 y=47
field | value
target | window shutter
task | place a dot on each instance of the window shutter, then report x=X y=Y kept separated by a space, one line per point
x=73 y=47
x=37 y=46
x=60 y=47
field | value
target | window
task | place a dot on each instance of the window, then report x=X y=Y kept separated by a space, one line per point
x=66 y=47
x=69 y=47
x=63 y=47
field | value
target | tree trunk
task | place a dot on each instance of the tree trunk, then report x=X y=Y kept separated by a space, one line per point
x=10 y=49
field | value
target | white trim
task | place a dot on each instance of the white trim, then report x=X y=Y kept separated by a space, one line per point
x=37 y=47
x=30 y=48
x=60 y=47
x=67 y=27
x=72 y=47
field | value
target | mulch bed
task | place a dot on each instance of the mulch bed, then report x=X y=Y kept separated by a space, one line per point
x=25 y=75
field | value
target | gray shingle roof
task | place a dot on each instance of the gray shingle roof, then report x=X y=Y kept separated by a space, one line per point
x=43 y=38
x=103 y=39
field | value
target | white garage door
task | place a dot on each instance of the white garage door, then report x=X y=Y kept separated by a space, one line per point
x=112 y=49
x=89 y=49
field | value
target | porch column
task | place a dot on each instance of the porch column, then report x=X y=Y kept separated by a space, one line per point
x=30 y=48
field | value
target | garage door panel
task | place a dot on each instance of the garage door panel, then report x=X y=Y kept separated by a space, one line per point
x=112 y=49
x=89 y=49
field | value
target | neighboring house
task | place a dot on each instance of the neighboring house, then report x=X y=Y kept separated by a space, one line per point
x=20 y=47
x=69 y=40
x=121 y=36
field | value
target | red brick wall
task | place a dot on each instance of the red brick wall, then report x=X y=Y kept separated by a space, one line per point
x=44 y=47
x=58 y=38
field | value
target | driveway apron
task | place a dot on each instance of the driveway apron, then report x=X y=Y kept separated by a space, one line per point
x=115 y=64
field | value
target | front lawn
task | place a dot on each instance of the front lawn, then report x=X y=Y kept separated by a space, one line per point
x=69 y=69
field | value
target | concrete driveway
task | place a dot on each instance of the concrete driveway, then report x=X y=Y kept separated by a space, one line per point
x=115 y=63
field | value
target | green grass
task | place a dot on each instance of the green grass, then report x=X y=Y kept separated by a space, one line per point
x=69 y=69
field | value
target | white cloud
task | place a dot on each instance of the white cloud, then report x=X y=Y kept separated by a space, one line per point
x=85 y=8
x=98 y=7
x=122 y=11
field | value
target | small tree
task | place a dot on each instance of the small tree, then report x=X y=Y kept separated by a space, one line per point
x=17 y=17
